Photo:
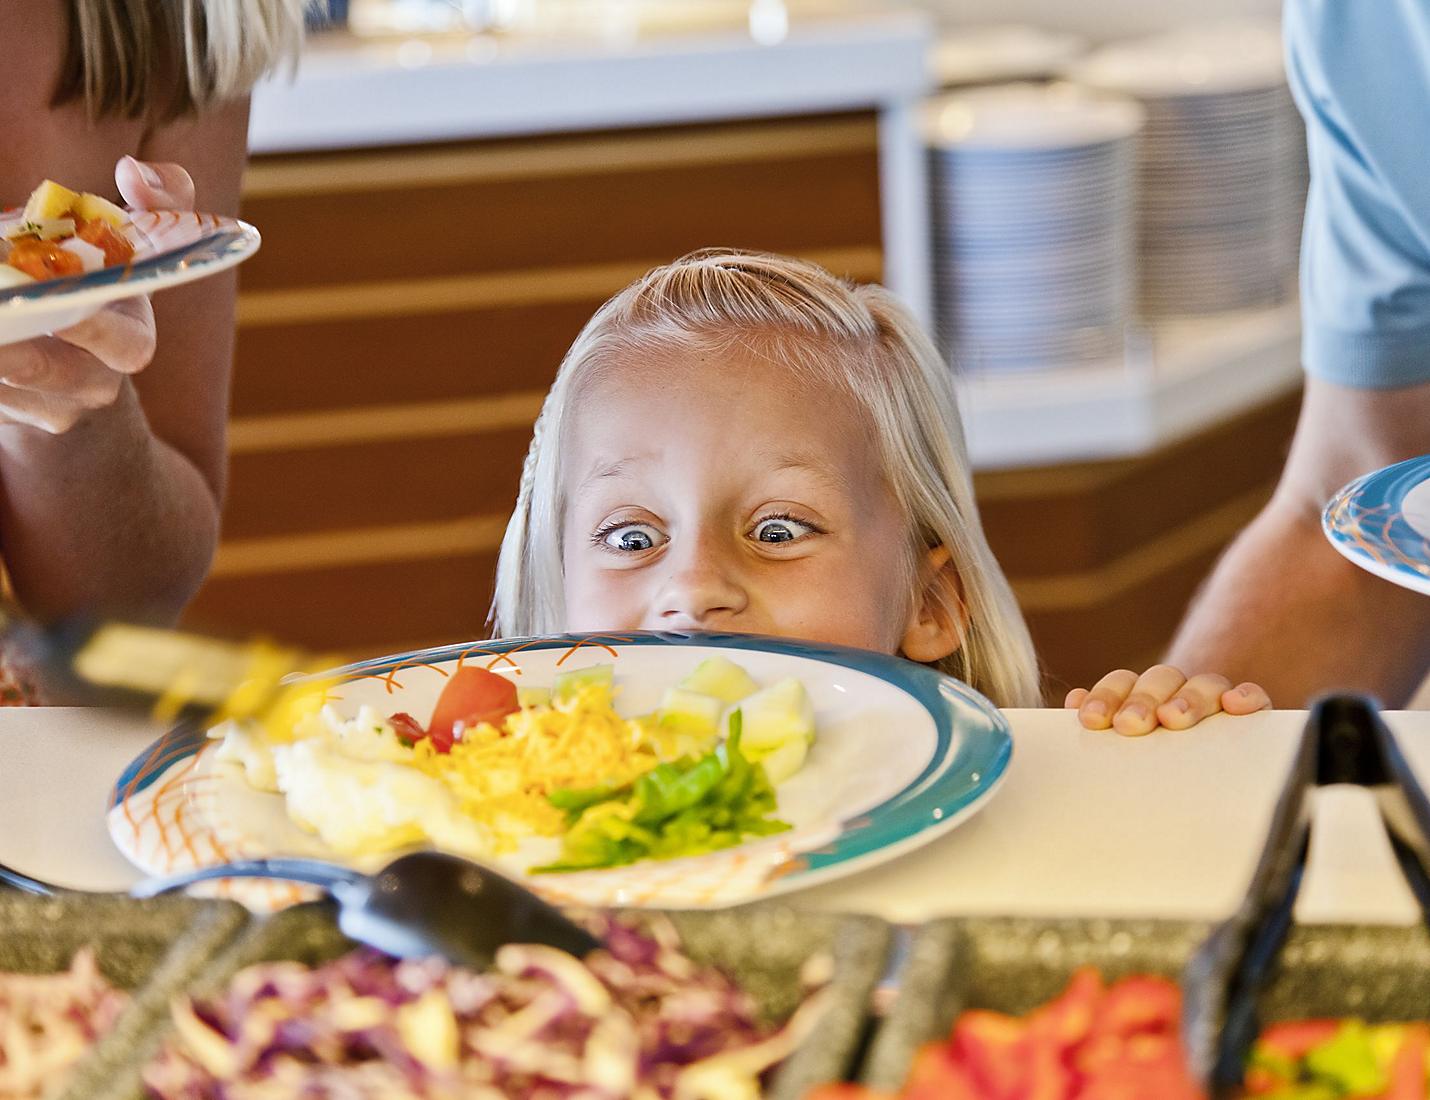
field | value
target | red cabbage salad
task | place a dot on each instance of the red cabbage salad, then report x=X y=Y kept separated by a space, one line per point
x=638 y=1019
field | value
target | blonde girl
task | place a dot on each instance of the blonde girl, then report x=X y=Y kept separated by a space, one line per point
x=743 y=442
x=112 y=445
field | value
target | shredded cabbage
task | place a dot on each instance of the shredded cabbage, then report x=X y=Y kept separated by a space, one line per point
x=48 y=1022
x=637 y=1019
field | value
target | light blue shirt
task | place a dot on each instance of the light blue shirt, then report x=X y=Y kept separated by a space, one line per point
x=1360 y=72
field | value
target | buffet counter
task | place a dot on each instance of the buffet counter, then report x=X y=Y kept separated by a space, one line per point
x=1086 y=824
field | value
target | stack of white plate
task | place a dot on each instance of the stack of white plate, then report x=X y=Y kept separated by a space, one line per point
x=1034 y=240
x=1221 y=180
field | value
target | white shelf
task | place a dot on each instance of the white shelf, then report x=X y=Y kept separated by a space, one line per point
x=351 y=92
x=1177 y=378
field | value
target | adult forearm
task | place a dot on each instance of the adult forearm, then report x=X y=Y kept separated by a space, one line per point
x=104 y=518
x=1282 y=608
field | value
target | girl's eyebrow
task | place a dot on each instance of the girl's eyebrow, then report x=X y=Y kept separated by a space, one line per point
x=605 y=470
x=804 y=462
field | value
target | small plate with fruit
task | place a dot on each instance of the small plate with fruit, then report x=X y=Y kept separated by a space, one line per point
x=668 y=770
x=66 y=255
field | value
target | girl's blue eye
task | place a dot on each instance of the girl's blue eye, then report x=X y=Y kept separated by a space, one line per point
x=632 y=538
x=778 y=529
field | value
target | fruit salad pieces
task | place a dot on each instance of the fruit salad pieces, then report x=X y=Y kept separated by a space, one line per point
x=63 y=233
x=637 y=1020
x=48 y=1022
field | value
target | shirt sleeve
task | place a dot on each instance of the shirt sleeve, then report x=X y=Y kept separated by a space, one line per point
x=1365 y=249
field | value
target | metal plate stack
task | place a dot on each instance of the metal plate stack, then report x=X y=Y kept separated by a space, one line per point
x=1034 y=243
x=1221 y=178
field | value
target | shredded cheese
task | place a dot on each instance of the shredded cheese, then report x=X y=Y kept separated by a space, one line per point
x=502 y=776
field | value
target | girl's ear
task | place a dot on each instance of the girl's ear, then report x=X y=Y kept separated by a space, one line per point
x=940 y=617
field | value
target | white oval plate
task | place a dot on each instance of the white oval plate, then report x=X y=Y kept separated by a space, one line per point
x=903 y=755
x=171 y=248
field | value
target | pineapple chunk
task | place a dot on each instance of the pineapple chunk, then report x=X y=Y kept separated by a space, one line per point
x=690 y=713
x=722 y=678
x=50 y=201
x=95 y=208
x=780 y=713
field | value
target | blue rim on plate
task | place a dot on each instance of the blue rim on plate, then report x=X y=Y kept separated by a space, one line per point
x=971 y=755
x=225 y=242
x=1366 y=522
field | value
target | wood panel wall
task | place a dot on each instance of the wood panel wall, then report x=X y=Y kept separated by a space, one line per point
x=409 y=309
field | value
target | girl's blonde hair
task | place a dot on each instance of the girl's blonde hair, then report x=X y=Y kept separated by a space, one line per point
x=169 y=58
x=802 y=318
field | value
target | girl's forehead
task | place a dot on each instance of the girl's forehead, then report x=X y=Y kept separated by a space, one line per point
x=670 y=376
x=734 y=407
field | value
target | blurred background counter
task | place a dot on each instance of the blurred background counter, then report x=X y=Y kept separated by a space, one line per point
x=443 y=211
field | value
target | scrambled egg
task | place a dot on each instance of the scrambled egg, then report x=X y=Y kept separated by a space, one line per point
x=355 y=784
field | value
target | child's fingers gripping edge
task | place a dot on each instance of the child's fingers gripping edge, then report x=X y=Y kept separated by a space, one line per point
x=1199 y=698
x=1074 y=698
x=1138 y=714
x=1245 y=698
x=1098 y=706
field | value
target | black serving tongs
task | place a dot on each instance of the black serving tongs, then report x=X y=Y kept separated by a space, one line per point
x=420 y=904
x=1344 y=742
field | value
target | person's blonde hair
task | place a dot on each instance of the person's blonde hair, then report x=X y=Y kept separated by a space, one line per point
x=804 y=319
x=168 y=58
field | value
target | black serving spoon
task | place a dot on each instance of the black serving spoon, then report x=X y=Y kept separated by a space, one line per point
x=420 y=904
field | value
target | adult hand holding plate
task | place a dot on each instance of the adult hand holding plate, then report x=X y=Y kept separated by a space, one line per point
x=67 y=335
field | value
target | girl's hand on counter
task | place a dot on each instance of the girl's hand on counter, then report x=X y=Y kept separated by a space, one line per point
x=1134 y=705
x=53 y=382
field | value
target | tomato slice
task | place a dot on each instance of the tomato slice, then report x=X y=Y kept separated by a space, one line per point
x=407 y=728
x=936 y=1074
x=1067 y=1021
x=1138 y=1004
x=1407 y=1071
x=472 y=696
x=1297 y=1038
x=995 y=1048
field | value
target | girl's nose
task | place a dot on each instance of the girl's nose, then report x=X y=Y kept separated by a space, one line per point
x=702 y=591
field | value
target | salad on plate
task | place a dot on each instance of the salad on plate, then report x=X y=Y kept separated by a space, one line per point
x=557 y=772
x=63 y=233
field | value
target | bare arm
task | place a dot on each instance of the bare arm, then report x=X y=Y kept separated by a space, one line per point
x=1282 y=608
x=118 y=512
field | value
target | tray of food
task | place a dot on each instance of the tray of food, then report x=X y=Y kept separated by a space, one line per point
x=758 y=1001
x=1058 y=1009
x=83 y=978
